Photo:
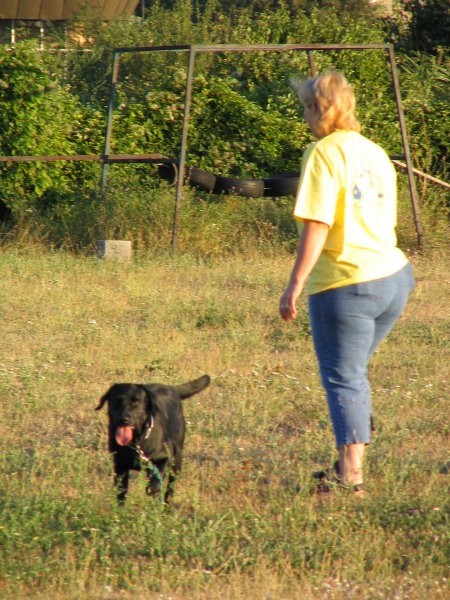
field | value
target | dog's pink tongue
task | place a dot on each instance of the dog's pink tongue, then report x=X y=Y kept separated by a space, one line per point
x=124 y=435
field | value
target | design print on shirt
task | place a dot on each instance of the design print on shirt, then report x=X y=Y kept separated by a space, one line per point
x=367 y=187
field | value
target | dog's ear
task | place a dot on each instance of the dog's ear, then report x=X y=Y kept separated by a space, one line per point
x=149 y=392
x=103 y=400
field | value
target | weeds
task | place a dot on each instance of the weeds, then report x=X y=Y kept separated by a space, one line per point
x=244 y=524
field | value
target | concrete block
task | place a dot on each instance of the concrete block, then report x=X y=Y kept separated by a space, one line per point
x=114 y=249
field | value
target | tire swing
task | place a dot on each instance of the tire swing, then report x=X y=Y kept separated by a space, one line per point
x=192 y=175
x=250 y=188
x=272 y=187
x=281 y=185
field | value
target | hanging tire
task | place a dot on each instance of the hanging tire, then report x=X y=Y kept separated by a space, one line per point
x=198 y=178
x=168 y=172
x=250 y=188
x=272 y=187
x=192 y=175
x=285 y=185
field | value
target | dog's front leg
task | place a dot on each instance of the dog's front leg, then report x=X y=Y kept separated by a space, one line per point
x=155 y=474
x=121 y=482
x=170 y=486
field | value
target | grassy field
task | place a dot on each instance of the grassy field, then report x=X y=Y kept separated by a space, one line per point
x=239 y=527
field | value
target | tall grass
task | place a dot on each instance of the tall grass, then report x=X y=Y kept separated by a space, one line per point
x=243 y=524
x=208 y=225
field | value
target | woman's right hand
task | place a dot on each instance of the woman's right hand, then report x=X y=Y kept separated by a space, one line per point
x=288 y=301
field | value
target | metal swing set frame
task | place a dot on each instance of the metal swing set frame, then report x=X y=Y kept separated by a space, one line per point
x=193 y=50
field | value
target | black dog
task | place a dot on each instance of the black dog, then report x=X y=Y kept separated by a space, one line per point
x=146 y=424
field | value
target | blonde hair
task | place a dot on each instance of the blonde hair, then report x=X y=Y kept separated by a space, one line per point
x=334 y=100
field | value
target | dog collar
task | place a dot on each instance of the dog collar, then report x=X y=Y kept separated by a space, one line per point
x=149 y=428
x=137 y=446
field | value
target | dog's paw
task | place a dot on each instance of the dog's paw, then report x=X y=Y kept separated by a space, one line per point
x=154 y=487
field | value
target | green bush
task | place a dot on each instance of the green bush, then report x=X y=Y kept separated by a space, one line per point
x=245 y=119
x=38 y=116
x=420 y=25
x=425 y=82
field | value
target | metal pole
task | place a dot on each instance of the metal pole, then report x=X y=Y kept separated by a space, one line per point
x=184 y=136
x=409 y=166
x=312 y=63
x=112 y=94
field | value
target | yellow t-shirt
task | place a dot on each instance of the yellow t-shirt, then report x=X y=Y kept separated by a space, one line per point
x=349 y=183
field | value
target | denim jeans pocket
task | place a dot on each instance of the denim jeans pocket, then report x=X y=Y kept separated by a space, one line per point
x=368 y=289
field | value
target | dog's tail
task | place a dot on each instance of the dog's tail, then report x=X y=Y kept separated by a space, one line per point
x=186 y=390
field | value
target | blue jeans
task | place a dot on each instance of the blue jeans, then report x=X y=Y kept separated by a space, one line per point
x=347 y=325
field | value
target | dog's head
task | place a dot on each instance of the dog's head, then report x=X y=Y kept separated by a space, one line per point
x=132 y=406
x=129 y=407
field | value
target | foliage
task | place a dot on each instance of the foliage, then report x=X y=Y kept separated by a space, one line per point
x=28 y=103
x=421 y=25
x=425 y=83
x=357 y=8
x=245 y=120
x=37 y=117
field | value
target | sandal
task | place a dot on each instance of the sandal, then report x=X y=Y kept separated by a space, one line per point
x=330 y=479
x=327 y=480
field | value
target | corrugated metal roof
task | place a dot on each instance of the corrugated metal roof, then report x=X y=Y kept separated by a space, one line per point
x=58 y=10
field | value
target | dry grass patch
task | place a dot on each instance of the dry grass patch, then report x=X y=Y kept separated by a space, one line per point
x=244 y=525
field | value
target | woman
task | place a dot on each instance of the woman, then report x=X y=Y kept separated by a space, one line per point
x=357 y=280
